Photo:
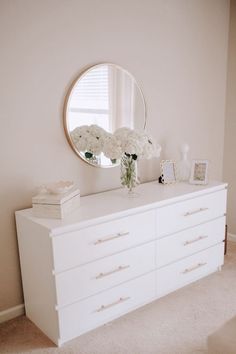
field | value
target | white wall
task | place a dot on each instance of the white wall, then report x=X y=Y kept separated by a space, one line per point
x=230 y=123
x=176 y=49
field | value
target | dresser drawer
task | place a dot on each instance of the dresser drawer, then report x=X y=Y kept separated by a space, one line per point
x=86 y=245
x=179 y=216
x=104 y=273
x=183 y=272
x=96 y=310
x=187 y=242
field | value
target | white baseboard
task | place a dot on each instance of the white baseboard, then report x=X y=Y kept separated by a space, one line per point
x=231 y=237
x=12 y=313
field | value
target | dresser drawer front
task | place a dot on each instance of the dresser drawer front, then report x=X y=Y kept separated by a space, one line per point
x=104 y=274
x=183 y=272
x=182 y=215
x=86 y=245
x=190 y=241
x=96 y=310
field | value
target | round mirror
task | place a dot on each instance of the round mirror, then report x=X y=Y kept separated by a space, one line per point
x=105 y=96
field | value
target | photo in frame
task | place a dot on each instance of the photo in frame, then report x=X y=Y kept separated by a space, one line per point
x=168 y=172
x=199 y=172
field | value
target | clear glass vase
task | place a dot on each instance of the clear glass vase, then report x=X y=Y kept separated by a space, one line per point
x=128 y=175
x=94 y=159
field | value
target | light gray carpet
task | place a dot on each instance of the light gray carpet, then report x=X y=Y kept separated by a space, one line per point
x=176 y=324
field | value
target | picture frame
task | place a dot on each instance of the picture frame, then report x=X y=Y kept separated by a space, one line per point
x=199 y=172
x=168 y=172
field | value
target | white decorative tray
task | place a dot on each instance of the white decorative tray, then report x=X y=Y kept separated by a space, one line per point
x=59 y=187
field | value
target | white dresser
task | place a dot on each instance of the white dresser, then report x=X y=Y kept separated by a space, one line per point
x=117 y=253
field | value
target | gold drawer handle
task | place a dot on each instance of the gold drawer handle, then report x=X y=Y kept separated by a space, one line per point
x=120 y=301
x=119 y=269
x=110 y=238
x=189 y=213
x=199 y=265
x=186 y=243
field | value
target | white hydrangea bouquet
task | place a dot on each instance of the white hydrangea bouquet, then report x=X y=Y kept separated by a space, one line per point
x=129 y=146
x=89 y=139
x=126 y=145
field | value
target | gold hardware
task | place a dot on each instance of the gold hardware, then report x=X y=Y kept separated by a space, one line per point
x=119 y=269
x=199 y=265
x=113 y=237
x=189 y=213
x=186 y=243
x=105 y=307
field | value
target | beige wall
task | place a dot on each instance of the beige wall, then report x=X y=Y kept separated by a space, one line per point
x=230 y=123
x=176 y=49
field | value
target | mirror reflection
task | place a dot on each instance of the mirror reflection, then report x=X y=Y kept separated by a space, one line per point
x=106 y=96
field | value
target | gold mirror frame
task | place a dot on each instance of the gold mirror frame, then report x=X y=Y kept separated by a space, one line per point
x=67 y=99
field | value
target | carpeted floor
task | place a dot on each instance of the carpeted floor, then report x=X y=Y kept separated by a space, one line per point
x=176 y=324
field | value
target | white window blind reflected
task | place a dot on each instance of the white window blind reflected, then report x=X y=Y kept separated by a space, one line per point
x=89 y=103
x=92 y=92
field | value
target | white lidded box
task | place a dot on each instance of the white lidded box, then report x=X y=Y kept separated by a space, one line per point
x=56 y=206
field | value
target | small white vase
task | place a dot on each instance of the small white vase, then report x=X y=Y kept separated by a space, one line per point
x=184 y=166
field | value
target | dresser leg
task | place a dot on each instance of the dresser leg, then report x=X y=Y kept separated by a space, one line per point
x=226 y=238
x=219 y=268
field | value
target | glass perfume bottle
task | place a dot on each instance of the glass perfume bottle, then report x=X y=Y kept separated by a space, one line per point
x=184 y=165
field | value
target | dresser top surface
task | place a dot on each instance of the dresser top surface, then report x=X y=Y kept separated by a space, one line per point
x=108 y=205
